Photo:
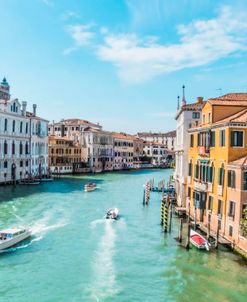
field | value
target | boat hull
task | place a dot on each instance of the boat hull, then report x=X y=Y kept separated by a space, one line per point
x=199 y=241
x=4 y=244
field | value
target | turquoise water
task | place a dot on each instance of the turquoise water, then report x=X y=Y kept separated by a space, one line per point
x=76 y=255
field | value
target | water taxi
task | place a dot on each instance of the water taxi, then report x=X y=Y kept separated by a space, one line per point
x=10 y=237
x=199 y=241
x=90 y=187
x=112 y=213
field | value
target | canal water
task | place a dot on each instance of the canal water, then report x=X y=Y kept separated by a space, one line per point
x=76 y=255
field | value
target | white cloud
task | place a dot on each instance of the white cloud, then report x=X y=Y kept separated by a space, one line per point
x=201 y=42
x=81 y=34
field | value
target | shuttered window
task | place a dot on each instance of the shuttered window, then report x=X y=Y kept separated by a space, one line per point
x=231 y=179
x=222 y=138
x=237 y=138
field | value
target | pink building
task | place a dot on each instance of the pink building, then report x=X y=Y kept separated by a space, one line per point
x=236 y=201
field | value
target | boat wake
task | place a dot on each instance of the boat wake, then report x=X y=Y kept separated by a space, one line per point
x=104 y=283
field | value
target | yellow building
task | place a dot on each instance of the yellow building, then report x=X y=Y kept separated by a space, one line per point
x=219 y=140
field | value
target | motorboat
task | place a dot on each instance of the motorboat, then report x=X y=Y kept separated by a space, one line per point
x=199 y=241
x=90 y=187
x=11 y=237
x=112 y=213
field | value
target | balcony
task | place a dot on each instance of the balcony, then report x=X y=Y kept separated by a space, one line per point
x=210 y=187
x=201 y=186
x=203 y=151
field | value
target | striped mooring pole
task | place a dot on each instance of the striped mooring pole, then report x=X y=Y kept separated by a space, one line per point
x=165 y=217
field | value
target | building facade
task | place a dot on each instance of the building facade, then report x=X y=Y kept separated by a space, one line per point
x=188 y=115
x=215 y=146
x=123 y=151
x=99 y=146
x=23 y=140
x=66 y=156
x=156 y=152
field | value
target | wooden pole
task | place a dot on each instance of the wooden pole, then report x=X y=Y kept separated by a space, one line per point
x=170 y=218
x=143 y=196
x=217 y=234
x=180 y=235
x=188 y=230
x=208 y=229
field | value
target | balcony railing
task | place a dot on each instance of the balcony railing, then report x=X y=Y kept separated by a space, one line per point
x=201 y=186
x=220 y=190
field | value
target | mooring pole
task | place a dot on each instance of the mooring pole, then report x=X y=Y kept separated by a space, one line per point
x=217 y=234
x=208 y=229
x=188 y=230
x=170 y=218
x=143 y=196
x=165 y=225
x=180 y=235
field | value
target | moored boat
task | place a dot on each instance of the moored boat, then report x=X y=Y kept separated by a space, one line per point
x=90 y=187
x=199 y=241
x=11 y=237
x=112 y=213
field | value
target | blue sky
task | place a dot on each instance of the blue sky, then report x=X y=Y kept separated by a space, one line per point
x=122 y=63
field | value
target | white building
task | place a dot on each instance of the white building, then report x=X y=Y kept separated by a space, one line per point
x=187 y=115
x=168 y=139
x=156 y=151
x=23 y=139
x=100 y=149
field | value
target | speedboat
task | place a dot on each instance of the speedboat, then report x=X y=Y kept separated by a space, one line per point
x=199 y=241
x=112 y=213
x=90 y=187
x=10 y=237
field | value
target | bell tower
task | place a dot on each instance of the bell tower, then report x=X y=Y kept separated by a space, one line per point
x=4 y=90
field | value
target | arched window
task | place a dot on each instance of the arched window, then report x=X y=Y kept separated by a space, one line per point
x=13 y=126
x=13 y=147
x=5 y=125
x=26 y=148
x=21 y=126
x=5 y=148
x=21 y=148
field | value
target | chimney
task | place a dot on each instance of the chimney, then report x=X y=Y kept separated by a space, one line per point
x=24 y=108
x=34 y=109
x=199 y=99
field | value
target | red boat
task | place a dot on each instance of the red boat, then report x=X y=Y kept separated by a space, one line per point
x=199 y=241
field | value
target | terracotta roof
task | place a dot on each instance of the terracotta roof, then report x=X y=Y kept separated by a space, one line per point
x=239 y=117
x=240 y=162
x=30 y=114
x=230 y=99
x=161 y=134
x=155 y=144
x=121 y=135
x=76 y=121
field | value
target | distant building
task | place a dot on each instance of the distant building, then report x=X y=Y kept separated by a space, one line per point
x=123 y=151
x=66 y=157
x=156 y=152
x=168 y=139
x=23 y=139
x=99 y=146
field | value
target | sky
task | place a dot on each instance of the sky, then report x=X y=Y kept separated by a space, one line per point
x=122 y=63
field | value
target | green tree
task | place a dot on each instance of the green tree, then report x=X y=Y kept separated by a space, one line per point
x=243 y=223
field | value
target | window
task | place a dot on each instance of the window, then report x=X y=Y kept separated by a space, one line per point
x=210 y=173
x=219 y=210
x=21 y=125
x=231 y=179
x=5 y=148
x=192 y=140
x=230 y=230
x=222 y=138
x=210 y=203
x=196 y=171
x=189 y=192
x=245 y=180
x=26 y=148
x=196 y=115
x=231 y=212
x=237 y=138
x=13 y=126
x=13 y=148
x=203 y=118
x=26 y=163
x=5 y=165
x=209 y=117
x=26 y=128
x=212 y=139
x=5 y=125
x=21 y=163
x=243 y=208
x=190 y=169
x=221 y=173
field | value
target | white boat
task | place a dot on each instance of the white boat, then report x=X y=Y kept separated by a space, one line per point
x=11 y=237
x=199 y=241
x=90 y=187
x=112 y=213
